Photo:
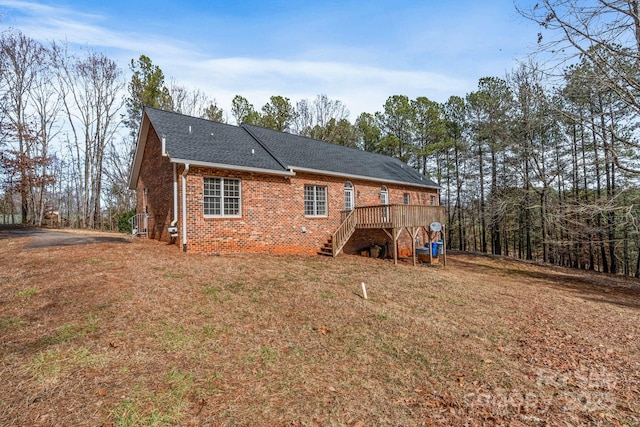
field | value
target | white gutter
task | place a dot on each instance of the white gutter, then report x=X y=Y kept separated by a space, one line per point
x=175 y=195
x=367 y=178
x=288 y=172
x=184 y=207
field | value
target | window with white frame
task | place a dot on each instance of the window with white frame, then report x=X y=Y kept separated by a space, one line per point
x=222 y=197
x=432 y=200
x=315 y=200
x=407 y=198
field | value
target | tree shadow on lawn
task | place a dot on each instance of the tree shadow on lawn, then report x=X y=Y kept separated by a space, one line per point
x=589 y=285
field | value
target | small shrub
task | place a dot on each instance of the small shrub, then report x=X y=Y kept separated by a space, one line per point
x=124 y=221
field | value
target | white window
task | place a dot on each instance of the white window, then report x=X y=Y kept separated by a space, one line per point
x=222 y=197
x=315 y=200
x=407 y=199
x=432 y=200
x=349 y=200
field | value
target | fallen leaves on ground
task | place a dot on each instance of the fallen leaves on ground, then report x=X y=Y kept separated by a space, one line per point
x=143 y=334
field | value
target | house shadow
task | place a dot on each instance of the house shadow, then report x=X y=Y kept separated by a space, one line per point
x=593 y=286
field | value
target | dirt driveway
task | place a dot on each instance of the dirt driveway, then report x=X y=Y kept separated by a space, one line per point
x=44 y=238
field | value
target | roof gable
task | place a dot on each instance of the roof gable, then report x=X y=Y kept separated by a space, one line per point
x=200 y=140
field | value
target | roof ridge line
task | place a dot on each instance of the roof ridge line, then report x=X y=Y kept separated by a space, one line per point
x=263 y=145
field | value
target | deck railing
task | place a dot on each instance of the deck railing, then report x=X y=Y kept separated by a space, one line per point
x=140 y=224
x=385 y=216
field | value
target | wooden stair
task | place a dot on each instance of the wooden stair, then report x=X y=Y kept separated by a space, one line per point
x=390 y=218
x=327 y=249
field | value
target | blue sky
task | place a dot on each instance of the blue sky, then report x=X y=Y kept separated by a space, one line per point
x=359 y=52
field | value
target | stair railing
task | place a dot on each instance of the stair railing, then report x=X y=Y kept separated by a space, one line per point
x=343 y=233
x=140 y=224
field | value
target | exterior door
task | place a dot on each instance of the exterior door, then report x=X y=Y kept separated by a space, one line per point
x=349 y=199
x=384 y=195
x=384 y=199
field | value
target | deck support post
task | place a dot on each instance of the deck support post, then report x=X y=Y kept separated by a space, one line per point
x=444 y=247
x=413 y=231
x=396 y=236
x=390 y=235
x=395 y=247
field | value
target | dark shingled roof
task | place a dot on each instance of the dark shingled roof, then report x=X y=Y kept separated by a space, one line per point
x=305 y=153
x=249 y=146
x=201 y=140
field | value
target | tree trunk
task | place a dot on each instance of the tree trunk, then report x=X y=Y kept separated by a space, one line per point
x=496 y=241
x=637 y=275
x=483 y=222
x=543 y=225
x=461 y=240
x=603 y=251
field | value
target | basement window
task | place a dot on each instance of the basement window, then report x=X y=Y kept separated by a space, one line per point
x=315 y=200
x=222 y=197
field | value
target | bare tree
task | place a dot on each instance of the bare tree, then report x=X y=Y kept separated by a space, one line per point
x=47 y=106
x=304 y=120
x=323 y=118
x=326 y=109
x=119 y=198
x=606 y=33
x=21 y=60
x=191 y=102
x=92 y=94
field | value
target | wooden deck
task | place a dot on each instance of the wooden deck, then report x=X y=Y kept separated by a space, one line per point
x=390 y=218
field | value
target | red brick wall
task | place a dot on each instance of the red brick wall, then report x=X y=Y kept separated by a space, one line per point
x=272 y=218
x=156 y=175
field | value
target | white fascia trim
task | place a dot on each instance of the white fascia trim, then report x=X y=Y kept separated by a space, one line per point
x=234 y=167
x=137 y=159
x=364 y=178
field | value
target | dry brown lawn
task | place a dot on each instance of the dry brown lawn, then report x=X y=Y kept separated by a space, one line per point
x=140 y=334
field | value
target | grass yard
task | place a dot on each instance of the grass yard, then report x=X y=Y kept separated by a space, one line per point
x=141 y=334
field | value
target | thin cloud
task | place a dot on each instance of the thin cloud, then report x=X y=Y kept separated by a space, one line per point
x=322 y=71
x=47 y=23
x=362 y=87
x=45 y=11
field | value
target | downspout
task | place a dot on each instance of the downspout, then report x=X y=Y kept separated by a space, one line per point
x=175 y=195
x=184 y=207
x=174 y=222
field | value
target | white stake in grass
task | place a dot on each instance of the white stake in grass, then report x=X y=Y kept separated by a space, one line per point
x=364 y=291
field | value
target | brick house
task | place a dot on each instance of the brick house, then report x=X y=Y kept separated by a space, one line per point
x=216 y=188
